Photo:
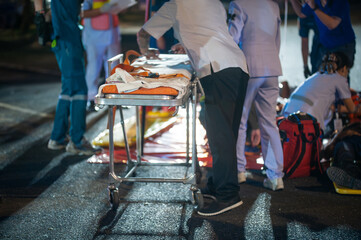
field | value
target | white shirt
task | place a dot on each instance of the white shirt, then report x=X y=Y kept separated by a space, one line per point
x=201 y=27
x=319 y=93
x=256 y=28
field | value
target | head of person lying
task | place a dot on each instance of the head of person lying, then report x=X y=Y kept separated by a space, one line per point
x=335 y=62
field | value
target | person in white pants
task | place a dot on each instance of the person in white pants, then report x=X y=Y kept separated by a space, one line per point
x=255 y=26
x=101 y=40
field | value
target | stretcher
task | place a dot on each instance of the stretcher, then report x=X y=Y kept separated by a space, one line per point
x=113 y=99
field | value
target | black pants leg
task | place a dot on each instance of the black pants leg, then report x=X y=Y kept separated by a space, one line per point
x=224 y=97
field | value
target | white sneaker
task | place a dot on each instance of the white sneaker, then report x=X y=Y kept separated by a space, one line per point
x=85 y=148
x=241 y=177
x=273 y=184
x=54 y=145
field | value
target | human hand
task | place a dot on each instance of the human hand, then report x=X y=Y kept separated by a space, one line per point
x=39 y=21
x=255 y=137
x=311 y=3
x=178 y=49
x=306 y=71
x=43 y=27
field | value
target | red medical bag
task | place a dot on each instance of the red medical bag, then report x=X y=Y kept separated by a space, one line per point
x=301 y=138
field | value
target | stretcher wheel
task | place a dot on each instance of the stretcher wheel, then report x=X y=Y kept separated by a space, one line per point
x=196 y=197
x=114 y=197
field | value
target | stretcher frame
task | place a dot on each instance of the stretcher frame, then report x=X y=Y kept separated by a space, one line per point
x=117 y=101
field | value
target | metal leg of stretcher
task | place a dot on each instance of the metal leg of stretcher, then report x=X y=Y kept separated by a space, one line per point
x=126 y=144
x=192 y=179
x=113 y=192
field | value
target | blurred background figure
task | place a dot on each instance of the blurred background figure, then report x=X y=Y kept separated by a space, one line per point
x=334 y=25
x=68 y=50
x=101 y=39
x=306 y=25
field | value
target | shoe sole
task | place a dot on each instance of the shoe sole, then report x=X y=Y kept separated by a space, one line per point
x=342 y=178
x=221 y=211
x=80 y=153
x=56 y=147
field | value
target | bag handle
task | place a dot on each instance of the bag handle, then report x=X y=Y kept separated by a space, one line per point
x=130 y=53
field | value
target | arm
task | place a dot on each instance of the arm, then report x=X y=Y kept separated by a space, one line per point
x=236 y=23
x=297 y=6
x=331 y=22
x=91 y=13
x=143 y=43
x=38 y=5
x=351 y=107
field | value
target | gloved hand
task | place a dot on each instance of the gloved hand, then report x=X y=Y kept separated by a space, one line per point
x=39 y=21
x=306 y=71
x=43 y=28
x=178 y=49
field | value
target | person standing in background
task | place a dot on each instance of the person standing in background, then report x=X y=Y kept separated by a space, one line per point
x=101 y=39
x=68 y=50
x=255 y=27
x=334 y=25
x=307 y=24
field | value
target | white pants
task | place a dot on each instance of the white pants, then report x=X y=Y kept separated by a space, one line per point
x=97 y=56
x=264 y=91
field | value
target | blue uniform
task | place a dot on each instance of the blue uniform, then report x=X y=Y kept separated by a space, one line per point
x=68 y=50
x=342 y=38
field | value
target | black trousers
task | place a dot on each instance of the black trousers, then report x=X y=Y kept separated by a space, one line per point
x=348 y=155
x=225 y=92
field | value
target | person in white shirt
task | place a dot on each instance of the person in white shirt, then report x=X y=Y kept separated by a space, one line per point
x=255 y=26
x=201 y=28
x=319 y=92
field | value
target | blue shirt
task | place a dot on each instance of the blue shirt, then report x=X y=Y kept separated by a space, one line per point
x=65 y=17
x=343 y=33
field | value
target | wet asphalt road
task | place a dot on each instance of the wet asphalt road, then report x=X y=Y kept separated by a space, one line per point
x=48 y=194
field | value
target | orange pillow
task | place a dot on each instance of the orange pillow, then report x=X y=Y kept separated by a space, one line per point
x=143 y=91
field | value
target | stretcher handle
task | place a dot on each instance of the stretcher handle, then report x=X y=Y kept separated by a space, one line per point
x=199 y=85
x=110 y=61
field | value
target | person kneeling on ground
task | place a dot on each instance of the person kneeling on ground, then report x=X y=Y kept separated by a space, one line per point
x=319 y=92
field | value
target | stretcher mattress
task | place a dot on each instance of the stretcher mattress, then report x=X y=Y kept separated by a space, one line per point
x=171 y=75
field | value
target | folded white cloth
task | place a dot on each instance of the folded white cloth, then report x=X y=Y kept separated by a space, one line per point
x=120 y=5
x=167 y=64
